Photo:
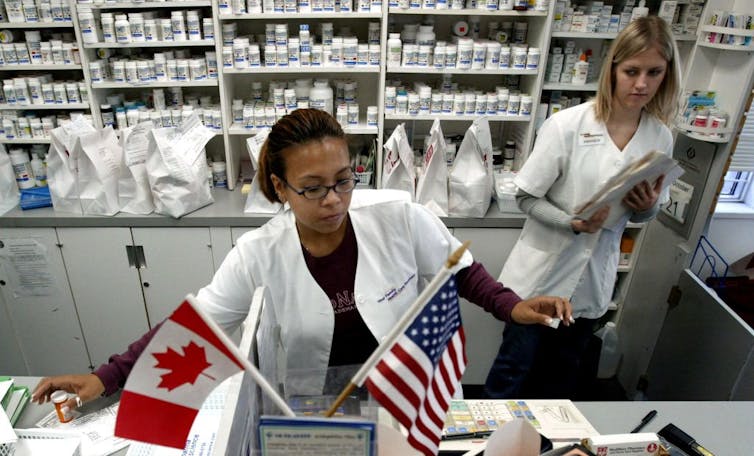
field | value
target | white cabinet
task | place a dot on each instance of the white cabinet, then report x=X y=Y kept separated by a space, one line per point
x=39 y=304
x=126 y=280
x=178 y=261
x=491 y=247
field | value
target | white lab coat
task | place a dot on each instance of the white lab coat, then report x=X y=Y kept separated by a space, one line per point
x=572 y=157
x=401 y=245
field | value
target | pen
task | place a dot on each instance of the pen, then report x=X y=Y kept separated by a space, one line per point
x=644 y=421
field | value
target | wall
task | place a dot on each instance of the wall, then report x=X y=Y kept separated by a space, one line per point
x=730 y=233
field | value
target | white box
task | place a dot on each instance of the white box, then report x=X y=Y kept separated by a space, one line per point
x=505 y=192
x=639 y=444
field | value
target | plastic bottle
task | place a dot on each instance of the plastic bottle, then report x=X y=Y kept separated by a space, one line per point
x=394 y=49
x=19 y=160
x=639 y=11
x=610 y=355
x=39 y=168
x=59 y=398
x=108 y=27
x=219 y=176
x=321 y=96
x=580 y=71
x=122 y=29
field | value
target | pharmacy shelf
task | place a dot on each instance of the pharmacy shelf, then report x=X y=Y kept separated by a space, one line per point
x=585 y=35
x=361 y=129
x=588 y=87
x=138 y=85
x=724 y=139
x=148 y=5
x=150 y=44
x=35 y=25
x=33 y=107
x=431 y=70
x=305 y=69
x=26 y=141
x=317 y=15
x=451 y=117
x=726 y=47
x=469 y=12
x=46 y=67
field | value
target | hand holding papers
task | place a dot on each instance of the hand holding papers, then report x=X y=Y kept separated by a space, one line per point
x=648 y=168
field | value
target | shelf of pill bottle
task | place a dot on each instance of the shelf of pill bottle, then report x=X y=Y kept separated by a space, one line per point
x=147 y=5
x=464 y=117
x=138 y=85
x=26 y=141
x=588 y=87
x=314 y=15
x=360 y=129
x=35 y=25
x=304 y=69
x=467 y=12
x=46 y=67
x=586 y=35
x=150 y=44
x=432 y=70
x=34 y=107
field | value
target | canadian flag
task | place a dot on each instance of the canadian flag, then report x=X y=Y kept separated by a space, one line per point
x=181 y=365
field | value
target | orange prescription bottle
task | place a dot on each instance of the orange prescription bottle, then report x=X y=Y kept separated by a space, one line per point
x=64 y=413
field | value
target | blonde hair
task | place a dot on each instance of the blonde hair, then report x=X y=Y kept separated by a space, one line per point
x=642 y=34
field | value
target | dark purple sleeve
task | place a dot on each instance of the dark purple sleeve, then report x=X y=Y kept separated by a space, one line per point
x=113 y=374
x=478 y=286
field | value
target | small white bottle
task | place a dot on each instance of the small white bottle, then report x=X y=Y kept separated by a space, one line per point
x=639 y=11
x=39 y=168
x=394 y=46
x=108 y=27
x=580 y=71
x=19 y=159
x=122 y=29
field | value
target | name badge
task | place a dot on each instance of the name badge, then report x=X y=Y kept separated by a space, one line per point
x=591 y=139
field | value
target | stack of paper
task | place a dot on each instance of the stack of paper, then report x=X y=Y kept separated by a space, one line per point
x=13 y=399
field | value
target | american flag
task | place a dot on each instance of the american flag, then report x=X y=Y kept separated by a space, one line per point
x=416 y=378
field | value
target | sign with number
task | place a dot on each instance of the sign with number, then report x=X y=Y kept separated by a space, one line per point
x=680 y=196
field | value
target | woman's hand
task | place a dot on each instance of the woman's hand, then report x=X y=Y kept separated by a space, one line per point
x=593 y=223
x=644 y=195
x=85 y=386
x=541 y=310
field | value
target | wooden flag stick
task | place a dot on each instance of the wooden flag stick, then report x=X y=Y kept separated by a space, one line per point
x=400 y=327
x=256 y=376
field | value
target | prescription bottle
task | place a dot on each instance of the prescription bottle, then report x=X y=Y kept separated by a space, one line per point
x=58 y=399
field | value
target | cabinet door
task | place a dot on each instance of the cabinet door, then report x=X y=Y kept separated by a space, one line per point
x=484 y=332
x=105 y=287
x=178 y=262
x=12 y=360
x=39 y=302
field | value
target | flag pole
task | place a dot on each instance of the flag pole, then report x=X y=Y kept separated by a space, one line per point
x=400 y=327
x=240 y=357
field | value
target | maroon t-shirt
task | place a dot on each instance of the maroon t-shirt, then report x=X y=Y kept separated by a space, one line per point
x=336 y=274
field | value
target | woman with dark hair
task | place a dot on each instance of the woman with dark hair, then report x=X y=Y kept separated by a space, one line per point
x=576 y=150
x=341 y=266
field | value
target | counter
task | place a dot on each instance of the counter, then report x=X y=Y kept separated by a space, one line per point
x=227 y=210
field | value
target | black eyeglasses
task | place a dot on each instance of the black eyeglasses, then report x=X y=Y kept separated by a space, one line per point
x=320 y=191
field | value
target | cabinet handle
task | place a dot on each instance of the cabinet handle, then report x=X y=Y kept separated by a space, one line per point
x=146 y=284
x=141 y=260
x=131 y=254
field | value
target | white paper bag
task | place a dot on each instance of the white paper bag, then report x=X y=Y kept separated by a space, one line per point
x=432 y=188
x=62 y=163
x=177 y=167
x=99 y=158
x=9 y=196
x=471 y=174
x=256 y=202
x=398 y=165
x=134 y=194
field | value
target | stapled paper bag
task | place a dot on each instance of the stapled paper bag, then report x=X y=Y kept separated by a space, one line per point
x=398 y=165
x=134 y=194
x=8 y=189
x=471 y=174
x=256 y=202
x=177 y=167
x=99 y=161
x=62 y=163
x=432 y=187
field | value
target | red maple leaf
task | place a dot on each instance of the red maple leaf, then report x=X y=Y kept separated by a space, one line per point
x=184 y=368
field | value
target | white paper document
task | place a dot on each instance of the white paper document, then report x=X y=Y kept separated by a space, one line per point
x=649 y=168
x=97 y=430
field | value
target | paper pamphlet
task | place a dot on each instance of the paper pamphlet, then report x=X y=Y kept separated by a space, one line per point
x=97 y=430
x=649 y=168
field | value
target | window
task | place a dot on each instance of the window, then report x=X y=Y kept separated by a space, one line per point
x=735 y=184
